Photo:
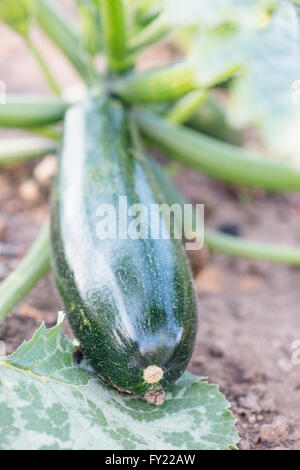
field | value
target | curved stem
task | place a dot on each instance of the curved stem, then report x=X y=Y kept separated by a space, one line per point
x=229 y=244
x=218 y=159
x=34 y=267
x=242 y=248
x=166 y=83
x=22 y=149
x=43 y=66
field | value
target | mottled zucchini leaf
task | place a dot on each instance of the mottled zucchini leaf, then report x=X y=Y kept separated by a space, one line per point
x=215 y=12
x=49 y=402
x=266 y=93
x=261 y=40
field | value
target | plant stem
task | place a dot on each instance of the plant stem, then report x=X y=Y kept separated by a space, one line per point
x=14 y=151
x=34 y=267
x=239 y=247
x=217 y=159
x=166 y=83
x=64 y=35
x=31 y=111
x=114 y=26
x=186 y=107
x=48 y=132
x=210 y=119
x=152 y=33
x=229 y=244
x=43 y=66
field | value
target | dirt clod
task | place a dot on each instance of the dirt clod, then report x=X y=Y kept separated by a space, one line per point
x=209 y=280
x=250 y=283
x=250 y=402
x=276 y=432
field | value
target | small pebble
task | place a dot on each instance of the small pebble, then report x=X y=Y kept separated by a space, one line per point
x=29 y=191
x=252 y=419
x=45 y=171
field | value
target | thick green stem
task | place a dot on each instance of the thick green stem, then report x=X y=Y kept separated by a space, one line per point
x=31 y=111
x=49 y=132
x=22 y=149
x=64 y=36
x=229 y=244
x=217 y=159
x=43 y=66
x=34 y=267
x=186 y=107
x=166 y=83
x=114 y=27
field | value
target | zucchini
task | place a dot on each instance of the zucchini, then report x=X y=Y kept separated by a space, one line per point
x=131 y=303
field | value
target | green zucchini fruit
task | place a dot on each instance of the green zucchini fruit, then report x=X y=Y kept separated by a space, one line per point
x=130 y=302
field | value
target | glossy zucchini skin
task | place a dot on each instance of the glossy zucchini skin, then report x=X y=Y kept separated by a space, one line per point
x=130 y=303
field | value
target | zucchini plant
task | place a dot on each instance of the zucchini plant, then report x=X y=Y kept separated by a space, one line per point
x=131 y=303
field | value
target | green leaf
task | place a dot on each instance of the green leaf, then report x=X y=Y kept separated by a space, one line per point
x=265 y=93
x=215 y=12
x=49 y=402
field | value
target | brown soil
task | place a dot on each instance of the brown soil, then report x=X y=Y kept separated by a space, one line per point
x=248 y=311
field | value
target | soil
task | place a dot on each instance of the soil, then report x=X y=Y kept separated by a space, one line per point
x=248 y=311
